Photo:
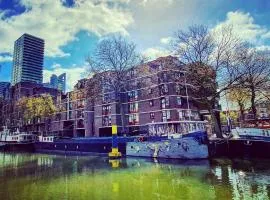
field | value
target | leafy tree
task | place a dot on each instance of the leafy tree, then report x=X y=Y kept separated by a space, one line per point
x=233 y=115
x=241 y=97
x=36 y=107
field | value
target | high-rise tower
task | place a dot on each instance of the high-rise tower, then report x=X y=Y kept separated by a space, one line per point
x=58 y=82
x=28 y=59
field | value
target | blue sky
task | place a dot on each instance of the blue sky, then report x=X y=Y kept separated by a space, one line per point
x=72 y=28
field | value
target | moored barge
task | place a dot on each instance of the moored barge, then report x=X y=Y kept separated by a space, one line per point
x=244 y=143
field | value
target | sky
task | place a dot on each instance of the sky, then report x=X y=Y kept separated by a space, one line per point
x=72 y=28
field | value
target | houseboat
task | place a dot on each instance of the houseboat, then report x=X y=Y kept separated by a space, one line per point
x=244 y=142
x=13 y=141
x=79 y=146
x=190 y=143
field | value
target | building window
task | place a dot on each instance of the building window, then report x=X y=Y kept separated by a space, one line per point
x=107 y=121
x=165 y=77
x=80 y=123
x=180 y=89
x=80 y=104
x=152 y=115
x=105 y=86
x=133 y=119
x=80 y=114
x=188 y=113
x=195 y=115
x=106 y=110
x=180 y=114
x=165 y=102
x=133 y=95
x=166 y=115
x=133 y=107
x=70 y=106
x=70 y=115
x=150 y=90
x=151 y=102
x=179 y=74
x=106 y=98
x=164 y=89
x=179 y=101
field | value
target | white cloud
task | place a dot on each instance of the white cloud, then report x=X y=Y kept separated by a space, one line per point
x=244 y=26
x=58 y=25
x=73 y=74
x=166 y=40
x=165 y=2
x=266 y=35
x=155 y=52
x=263 y=48
x=5 y=58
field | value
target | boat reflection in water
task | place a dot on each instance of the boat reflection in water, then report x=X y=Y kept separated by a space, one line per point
x=38 y=176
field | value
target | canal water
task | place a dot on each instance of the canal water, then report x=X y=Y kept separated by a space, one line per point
x=40 y=176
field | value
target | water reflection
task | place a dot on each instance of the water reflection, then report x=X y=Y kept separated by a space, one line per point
x=37 y=176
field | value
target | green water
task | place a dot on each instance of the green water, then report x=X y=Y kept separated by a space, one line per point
x=39 y=176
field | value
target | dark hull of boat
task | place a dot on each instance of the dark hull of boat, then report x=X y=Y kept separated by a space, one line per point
x=240 y=148
x=191 y=146
x=99 y=146
x=17 y=147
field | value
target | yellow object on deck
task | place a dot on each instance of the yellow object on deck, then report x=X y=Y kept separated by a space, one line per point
x=114 y=129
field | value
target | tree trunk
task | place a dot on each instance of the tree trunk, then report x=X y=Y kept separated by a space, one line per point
x=122 y=114
x=253 y=106
x=217 y=129
x=242 y=115
x=122 y=118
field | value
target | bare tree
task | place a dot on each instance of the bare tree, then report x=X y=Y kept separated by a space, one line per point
x=211 y=63
x=110 y=66
x=256 y=79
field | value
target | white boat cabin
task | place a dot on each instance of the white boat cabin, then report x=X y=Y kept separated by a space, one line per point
x=175 y=128
x=16 y=137
x=255 y=132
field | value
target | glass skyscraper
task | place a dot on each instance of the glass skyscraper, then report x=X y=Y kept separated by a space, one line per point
x=4 y=89
x=28 y=59
x=58 y=82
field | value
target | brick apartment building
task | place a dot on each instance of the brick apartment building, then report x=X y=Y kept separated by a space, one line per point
x=70 y=119
x=157 y=100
